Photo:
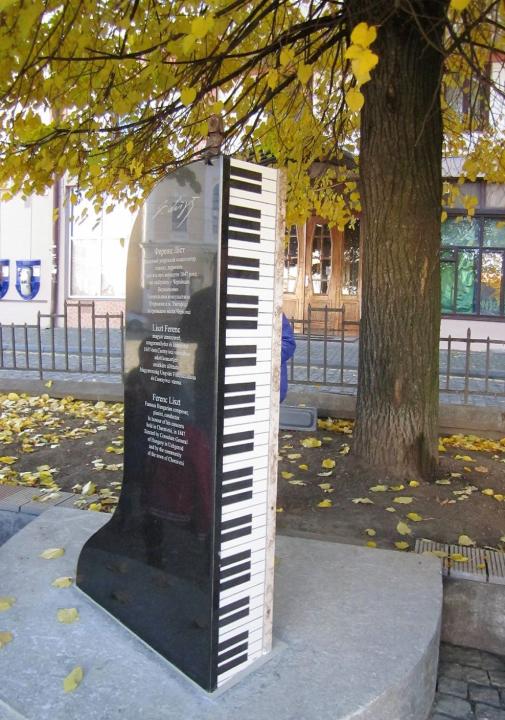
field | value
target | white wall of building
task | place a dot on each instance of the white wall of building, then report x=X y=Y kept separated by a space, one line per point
x=26 y=233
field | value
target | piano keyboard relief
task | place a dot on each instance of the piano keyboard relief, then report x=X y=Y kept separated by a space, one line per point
x=248 y=373
x=186 y=560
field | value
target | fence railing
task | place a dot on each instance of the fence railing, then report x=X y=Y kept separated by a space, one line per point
x=84 y=342
x=78 y=340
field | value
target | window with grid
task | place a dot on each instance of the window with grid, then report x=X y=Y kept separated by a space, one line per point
x=472 y=266
x=291 y=259
x=321 y=259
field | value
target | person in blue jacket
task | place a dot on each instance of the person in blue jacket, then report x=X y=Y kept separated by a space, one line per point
x=287 y=351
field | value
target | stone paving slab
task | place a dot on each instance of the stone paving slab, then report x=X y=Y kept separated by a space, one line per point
x=338 y=658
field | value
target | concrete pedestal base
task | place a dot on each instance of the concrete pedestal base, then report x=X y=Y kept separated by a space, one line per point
x=358 y=631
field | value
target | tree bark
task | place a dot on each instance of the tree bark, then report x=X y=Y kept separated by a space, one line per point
x=401 y=187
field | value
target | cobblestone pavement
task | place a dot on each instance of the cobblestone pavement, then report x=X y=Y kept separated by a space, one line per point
x=471 y=685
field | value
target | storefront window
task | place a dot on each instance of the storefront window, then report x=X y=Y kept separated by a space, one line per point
x=350 y=265
x=472 y=265
x=321 y=259
x=291 y=259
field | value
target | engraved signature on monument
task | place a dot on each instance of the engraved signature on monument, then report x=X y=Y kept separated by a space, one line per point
x=180 y=208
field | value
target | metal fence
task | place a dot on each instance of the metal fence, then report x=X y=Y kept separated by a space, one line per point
x=77 y=341
x=82 y=342
x=328 y=347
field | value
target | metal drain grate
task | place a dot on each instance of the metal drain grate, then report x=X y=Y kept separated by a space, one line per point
x=483 y=565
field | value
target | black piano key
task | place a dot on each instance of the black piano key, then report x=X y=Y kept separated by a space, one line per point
x=236 y=437
x=240 y=362
x=237 y=486
x=234 y=570
x=234 y=582
x=233 y=663
x=248 y=187
x=239 y=412
x=235 y=605
x=235 y=558
x=239 y=400
x=234 y=222
x=241 y=312
x=234 y=534
x=243 y=261
x=243 y=236
x=242 y=324
x=244 y=173
x=239 y=387
x=243 y=274
x=242 y=299
x=238 y=650
x=236 y=474
x=244 y=211
x=238 y=497
x=233 y=618
x=240 y=349
x=237 y=449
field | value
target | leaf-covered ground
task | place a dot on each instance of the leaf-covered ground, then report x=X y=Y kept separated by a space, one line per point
x=77 y=446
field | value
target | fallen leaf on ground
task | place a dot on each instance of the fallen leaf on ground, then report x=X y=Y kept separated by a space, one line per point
x=6 y=602
x=52 y=553
x=344 y=450
x=403 y=500
x=67 y=615
x=488 y=491
x=371 y=543
x=328 y=463
x=286 y=475
x=362 y=501
x=73 y=679
x=325 y=473
x=481 y=469
x=458 y=557
x=443 y=481
x=311 y=442
x=293 y=456
x=465 y=458
x=414 y=517
x=397 y=488
x=390 y=509
x=401 y=545
x=325 y=504
x=303 y=467
x=371 y=532
x=279 y=509
x=455 y=475
x=325 y=486
x=62 y=582
x=466 y=541
x=379 y=488
x=297 y=482
x=414 y=483
x=5 y=638
x=403 y=528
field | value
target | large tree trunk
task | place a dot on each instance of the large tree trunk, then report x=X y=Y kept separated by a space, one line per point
x=400 y=180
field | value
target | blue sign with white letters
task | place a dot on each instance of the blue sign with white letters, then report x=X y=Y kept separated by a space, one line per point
x=4 y=277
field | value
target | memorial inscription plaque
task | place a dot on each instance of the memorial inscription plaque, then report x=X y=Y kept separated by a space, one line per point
x=183 y=561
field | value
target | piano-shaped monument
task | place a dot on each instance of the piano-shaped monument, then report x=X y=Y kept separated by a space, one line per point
x=186 y=561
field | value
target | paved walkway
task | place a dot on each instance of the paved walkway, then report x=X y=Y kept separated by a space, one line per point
x=471 y=685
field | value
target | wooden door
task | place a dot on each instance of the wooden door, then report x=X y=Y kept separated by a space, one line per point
x=321 y=282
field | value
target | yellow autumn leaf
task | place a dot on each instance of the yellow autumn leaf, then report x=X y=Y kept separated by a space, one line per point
x=286 y=475
x=328 y=463
x=437 y=553
x=401 y=545
x=403 y=500
x=354 y=99
x=201 y=26
x=48 y=384
x=52 y=553
x=95 y=507
x=455 y=475
x=287 y=55
x=89 y=488
x=325 y=504
x=362 y=61
x=279 y=509
x=8 y=459
x=73 y=679
x=481 y=469
x=458 y=557
x=488 y=491
x=311 y=442
x=362 y=501
x=499 y=497
x=390 y=509
x=297 y=482
x=465 y=458
x=403 y=529
x=363 y=34
x=272 y=78
x=397 y=488
x=293 y=456
x=345 y=449
x=459 y=5
x=325 y=486
x=371 y=543
x=502 y=539
x=304 y=73
x=67 y=615
x=379 y=488
x=62 y=582
x=371 y=532
x=443 y=481
x=414 y=517
x=188 y=95
x=414 y=483
x=6 y=602
x=5 y=638
x=303 y=467
x=466 y=541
